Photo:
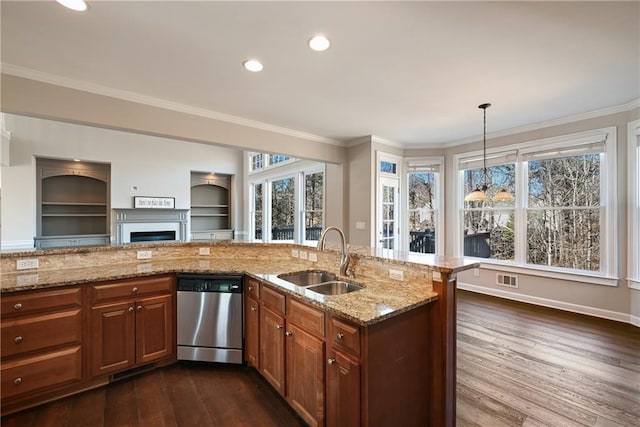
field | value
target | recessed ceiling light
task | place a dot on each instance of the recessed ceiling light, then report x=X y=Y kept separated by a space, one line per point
x=253 y=65
x=319 y=43
x=76 y=160
x=78 y=5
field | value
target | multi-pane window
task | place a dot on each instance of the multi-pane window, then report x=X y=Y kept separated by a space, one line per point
x=257 y=161
x=422 y=195
x=388 y=167
x=277 y=158
x=313 y=205
x=563 y=212
x=282 y=209
x=488 y=226
x=633 y=235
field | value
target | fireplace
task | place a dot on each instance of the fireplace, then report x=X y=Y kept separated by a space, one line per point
x=144 y=225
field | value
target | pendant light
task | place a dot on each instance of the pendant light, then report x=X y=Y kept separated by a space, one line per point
x=479 y=194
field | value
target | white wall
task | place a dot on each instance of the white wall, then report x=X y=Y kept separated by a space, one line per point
x=156 y=166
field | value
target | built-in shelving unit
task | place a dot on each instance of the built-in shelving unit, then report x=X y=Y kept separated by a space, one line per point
x=73 y=203
x=211 y=206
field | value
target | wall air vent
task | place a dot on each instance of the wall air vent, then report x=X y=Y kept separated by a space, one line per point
x=507 y=280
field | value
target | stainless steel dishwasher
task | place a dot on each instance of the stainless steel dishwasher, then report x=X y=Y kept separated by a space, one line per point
x=210 y=319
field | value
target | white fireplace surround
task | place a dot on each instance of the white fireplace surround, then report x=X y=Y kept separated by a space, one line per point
x=135 y=220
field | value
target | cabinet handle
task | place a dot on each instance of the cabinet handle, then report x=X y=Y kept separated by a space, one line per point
x=254 y=308
x=288 y=333
x=134 y=290
x=278 y=326
x=340 y=336
x=331 y=361
x=17 y=381
x=17 y=340
x=17 y=306
x=139 y=308
x=130 y=309
x=250 y=288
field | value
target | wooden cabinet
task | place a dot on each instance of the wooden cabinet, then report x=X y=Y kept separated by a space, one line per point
x=252 y=323
x=41 y=342
x=272 y=348
x=72 y=203
x=130 y=325
x=343 y=390
x=211 y=206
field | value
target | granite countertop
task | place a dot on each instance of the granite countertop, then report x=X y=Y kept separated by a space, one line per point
x=380 y=299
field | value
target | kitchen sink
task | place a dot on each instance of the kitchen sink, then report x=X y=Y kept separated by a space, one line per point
x=334 y=287
x=308 y=278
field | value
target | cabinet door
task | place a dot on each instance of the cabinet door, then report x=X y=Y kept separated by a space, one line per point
x=112 y=338
x=272 y=348
x=252 y=321
x=154 y=328
x=305 y=374
x=343 y=391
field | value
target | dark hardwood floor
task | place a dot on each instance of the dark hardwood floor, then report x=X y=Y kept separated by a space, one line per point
x=518 y=365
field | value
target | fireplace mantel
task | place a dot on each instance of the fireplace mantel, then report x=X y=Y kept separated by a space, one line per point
x=126 y=220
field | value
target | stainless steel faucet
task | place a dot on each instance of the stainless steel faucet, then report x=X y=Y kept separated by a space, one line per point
x=344 y=256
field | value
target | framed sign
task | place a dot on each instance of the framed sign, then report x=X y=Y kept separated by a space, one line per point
x=154 y=202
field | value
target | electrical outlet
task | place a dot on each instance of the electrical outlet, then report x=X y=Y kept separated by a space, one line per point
x=294 y=253
x=361 y=225
x=313 y=257
x=27 y=264
x=396 y=274
x=204 y=251
x=476 y=272
x=144 y=255
x=303 y=254
x=145 y=268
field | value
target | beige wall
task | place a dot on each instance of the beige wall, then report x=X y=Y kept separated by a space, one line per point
x=360 y=193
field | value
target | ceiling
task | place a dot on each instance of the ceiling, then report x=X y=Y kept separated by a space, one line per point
x=409 y=72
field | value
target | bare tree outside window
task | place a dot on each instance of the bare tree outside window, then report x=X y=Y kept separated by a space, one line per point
x=563 y=218
x=282 y=209
x=257 y=213
x=313 y=205
x=422 y=212
x=488 y=225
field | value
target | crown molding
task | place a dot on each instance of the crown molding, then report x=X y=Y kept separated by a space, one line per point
x=546 y=124
x=28 y=73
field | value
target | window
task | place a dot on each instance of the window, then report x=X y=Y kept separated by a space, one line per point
x=259 y=162
x=277 y=158
x=423 y=195
x=563 y=215
x=313 y=205
x=489 y=226
x=282 y=209
x=388 y=167
x=256 y=161
x=258 y=206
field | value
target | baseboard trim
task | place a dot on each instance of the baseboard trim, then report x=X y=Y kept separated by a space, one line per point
x=545 y=302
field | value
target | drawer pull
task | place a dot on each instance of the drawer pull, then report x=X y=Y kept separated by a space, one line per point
x=340 y=336
x=331 y=361
x=288 y=333
x=139 y=308
x=130 y=309
x=17 y=306
x=17 y=381
x=134 y=290
x=17 y=340
x=250 y=288
x=254 y=308
x=278 y=326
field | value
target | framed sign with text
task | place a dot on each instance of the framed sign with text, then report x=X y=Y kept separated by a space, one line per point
x=154 y=202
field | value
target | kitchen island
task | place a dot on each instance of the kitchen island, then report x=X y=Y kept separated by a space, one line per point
x=424 y=296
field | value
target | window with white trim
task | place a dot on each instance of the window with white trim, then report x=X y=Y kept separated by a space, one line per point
x=313 y=211
x=423 y=192
x=262 y=161
x=563 y=216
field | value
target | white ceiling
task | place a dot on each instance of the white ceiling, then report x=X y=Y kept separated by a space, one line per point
x=412 y=73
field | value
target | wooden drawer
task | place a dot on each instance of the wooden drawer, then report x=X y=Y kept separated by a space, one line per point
x=345 y=336
x=252 y=288
x=31 y=374
x=29 y=333
x=272 y=299
x=35 y=301
x=132 y=288
x=307 y=317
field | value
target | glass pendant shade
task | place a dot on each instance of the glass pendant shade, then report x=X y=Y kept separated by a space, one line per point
x=476 y=195
x=503 y=196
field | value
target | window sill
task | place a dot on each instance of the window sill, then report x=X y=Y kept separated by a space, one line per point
x=550 y=272
x=634 y=283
